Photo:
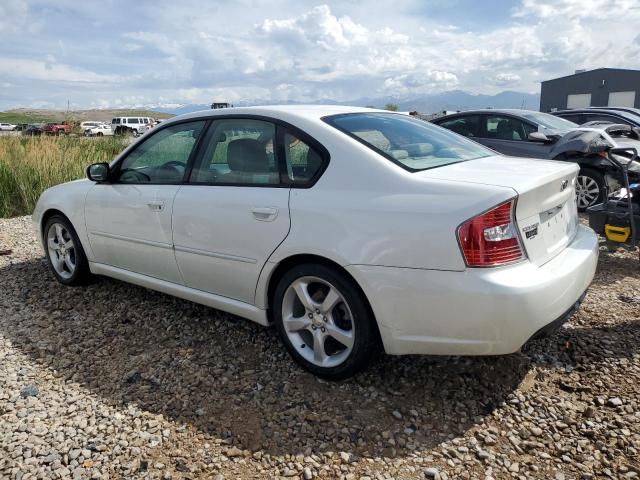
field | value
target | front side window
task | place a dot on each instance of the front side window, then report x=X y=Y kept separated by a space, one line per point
x=303 y=161
x=501 y=127
x=466 y=126
x=548 y=121
x=238 y=151
x=163 y=157
x=604 y=118
x=413 y=144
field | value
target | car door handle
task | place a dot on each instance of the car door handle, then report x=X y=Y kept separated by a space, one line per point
x=156 y=205
x=265 y=214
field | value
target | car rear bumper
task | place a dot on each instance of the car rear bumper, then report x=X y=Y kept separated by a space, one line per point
x=489 y=311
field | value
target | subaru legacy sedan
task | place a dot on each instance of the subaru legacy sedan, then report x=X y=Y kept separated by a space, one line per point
x=348 y=229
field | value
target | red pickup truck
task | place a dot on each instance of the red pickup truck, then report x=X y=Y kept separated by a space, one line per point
x=57 y=129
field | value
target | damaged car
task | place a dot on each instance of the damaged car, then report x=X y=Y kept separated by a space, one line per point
x=525 y=133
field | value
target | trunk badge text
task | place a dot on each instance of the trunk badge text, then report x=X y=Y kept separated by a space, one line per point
x=531 y=231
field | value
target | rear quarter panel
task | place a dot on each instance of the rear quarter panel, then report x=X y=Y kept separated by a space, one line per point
x=365 y=210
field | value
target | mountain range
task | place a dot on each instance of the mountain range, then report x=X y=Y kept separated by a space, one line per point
x=431 y=103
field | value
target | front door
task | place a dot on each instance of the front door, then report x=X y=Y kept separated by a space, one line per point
x=509 y=136
x=129 y=219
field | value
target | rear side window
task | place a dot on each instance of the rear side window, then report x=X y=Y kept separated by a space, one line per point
x=303 y=161
x=413 y=144
x=465 y=126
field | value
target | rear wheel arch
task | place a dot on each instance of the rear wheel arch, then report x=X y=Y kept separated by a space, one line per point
x=291 y=262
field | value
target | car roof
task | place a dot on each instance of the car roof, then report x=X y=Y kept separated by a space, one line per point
x=282 y=111
x=509 y=111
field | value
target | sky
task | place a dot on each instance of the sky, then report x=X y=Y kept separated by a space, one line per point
x=112 y=53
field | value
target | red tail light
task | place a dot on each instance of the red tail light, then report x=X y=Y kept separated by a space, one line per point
x=491 y=239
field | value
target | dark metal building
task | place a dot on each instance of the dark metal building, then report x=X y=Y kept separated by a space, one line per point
x=602 y=87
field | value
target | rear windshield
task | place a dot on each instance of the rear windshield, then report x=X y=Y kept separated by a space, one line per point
x=413 y=144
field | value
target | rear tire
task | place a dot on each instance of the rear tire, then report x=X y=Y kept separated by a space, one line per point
x=590 y=188
x=64 y=252
x=324 y=321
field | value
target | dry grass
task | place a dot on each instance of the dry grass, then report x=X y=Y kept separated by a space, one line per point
x=30 y=165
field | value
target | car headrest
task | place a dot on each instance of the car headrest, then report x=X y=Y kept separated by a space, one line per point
x=504 y=126
x=418 y=149
x=247 y=155
x=399 y=154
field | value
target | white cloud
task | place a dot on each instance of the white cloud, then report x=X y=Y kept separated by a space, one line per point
x=276 y=50
x=49 y=71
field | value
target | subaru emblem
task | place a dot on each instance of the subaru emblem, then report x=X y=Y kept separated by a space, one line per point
x=563 y=185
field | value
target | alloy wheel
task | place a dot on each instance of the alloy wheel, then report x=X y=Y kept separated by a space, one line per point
x=62 y=251
x=587 y=191
x=318 y=321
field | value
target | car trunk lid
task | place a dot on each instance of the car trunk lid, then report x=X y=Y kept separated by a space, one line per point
x=546 y=210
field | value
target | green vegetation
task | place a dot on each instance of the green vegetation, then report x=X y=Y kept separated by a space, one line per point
x=30 y=165
x=392 y=107
x=18 y=117
x=23 y=115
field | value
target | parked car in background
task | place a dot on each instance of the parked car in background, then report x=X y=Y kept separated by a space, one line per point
x=84 y=126
x=525 y=133
x=7 y=127
x=130 y=125
x=624 y=116
x=347 y=228
x=57 y=128
x=99 y=131
x=34 y=129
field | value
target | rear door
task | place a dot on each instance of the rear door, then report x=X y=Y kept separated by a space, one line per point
x=234 y=211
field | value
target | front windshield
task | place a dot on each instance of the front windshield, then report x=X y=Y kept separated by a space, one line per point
x=412 y=144
x=549 y=121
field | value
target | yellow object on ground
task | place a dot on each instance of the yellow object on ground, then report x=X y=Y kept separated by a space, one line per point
x=617 y=234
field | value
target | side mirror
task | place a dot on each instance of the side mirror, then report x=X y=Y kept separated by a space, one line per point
x=538 y=137
x=98 y=172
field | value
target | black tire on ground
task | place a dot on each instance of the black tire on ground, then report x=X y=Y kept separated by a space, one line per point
x=366 y=343
x=82 y=275
x=589 y=174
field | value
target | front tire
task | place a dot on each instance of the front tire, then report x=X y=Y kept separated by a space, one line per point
x=590 y=188
x=324 y=321
x=64 y=252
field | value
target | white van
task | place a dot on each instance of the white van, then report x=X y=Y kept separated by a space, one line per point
x=135 y=125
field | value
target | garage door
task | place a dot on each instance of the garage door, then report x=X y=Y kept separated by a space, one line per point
x=579 y=100
x=622 y=99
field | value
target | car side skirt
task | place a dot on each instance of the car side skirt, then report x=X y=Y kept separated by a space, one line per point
x=219 y=302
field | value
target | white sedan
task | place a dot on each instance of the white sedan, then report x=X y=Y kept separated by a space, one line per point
x=99 y=130
x=349 y=229
x=7 y=126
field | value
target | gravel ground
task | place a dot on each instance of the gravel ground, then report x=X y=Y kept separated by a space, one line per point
x=115 y=381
